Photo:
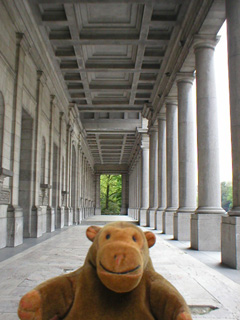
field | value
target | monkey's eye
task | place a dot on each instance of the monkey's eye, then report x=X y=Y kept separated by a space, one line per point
x=134 y=238
x=108 y=236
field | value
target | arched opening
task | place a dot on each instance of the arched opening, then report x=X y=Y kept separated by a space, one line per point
x=111 y=193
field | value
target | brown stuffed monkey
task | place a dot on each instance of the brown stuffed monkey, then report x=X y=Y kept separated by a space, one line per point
x=117 y=281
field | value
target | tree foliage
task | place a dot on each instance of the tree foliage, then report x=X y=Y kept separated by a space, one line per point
x=111 y=193
x=226 y=192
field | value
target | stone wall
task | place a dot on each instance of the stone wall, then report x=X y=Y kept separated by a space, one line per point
x=33 y=109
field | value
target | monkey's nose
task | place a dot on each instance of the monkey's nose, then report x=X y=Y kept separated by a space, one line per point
x=119 y=258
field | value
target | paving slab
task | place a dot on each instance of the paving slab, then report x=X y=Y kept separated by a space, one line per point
x=210 y=294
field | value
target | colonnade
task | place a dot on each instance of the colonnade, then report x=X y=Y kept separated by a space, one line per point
x=169 y=189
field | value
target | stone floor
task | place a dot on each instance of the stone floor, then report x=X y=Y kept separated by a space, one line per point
x=212 y=291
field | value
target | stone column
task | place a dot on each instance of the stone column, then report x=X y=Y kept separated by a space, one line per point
x=60 y=208
x=81 y=184
x=36 y=214
x=67 y=209
x=161 y=171
x=135 y=216
x=50 y=209
x=231 y=223
x=130 y=210
x=78 y=165
x=205 y=223
x=98 y=205
x=124 y=186
x=153 y=175
x=144 y=220
x=172 y=165
x=14 y=211
x=139 y=184
x=84 y=187
x=187 y=157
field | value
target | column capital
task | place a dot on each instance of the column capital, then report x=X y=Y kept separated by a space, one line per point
x=153 y=128
x=147 y=111
x=203 y=41
x=144 y=140
x=171 y=101
x=53 y=99
x=23 y=42
x=41 y=77
x=187 y=77
x=61 y=114
x=161 y=116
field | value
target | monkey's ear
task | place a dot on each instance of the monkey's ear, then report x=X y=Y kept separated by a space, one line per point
x=151 y=239
x=92 y=232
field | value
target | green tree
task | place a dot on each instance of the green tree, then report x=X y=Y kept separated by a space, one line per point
x=111 y=193
x=226 y=192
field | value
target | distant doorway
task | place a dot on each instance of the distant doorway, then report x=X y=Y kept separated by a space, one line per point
x=111 y=193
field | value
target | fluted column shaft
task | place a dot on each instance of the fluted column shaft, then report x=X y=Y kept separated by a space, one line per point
x=162 y=187
x=205 y=224
x=144 y=220
x=231 y=224
x=124 y=186
x=172 y=166
x=209 y=195
x=98 y=205
x=187 y=157
x=153 y=169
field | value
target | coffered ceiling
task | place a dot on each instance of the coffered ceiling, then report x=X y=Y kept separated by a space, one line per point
x=116 y=57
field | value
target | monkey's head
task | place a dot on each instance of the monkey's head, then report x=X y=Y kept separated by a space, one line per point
x=120 y=254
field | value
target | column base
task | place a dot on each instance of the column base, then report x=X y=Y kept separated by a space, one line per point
x=123 y=211
x=50 y=219
x=3 y=226
x=36 y=222
x=159 y=219
x=230 y=241
x=182 y=225
x=152 y=217
x=81 y=214
x=60 y=218
x=14 y=226
x=68 y=218
x=74 y=215
x=137 y=214
x=206 y=231
x=44 y=219
x=143 y=217
x=131 y=212
x=168 y=216
x=97 y=211
x=78 y=211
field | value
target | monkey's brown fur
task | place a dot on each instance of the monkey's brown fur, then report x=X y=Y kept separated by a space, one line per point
x=117 y=281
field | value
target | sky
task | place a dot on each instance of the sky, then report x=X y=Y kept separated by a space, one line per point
x=221 y=69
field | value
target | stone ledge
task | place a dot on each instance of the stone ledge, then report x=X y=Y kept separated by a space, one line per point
x=5 y=172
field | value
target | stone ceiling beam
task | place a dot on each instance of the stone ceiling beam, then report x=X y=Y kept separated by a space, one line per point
x=147 y=14
x=73 y=27
x=149 y=42
x=99 y=148
x=112 y=108
x=170 y=2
